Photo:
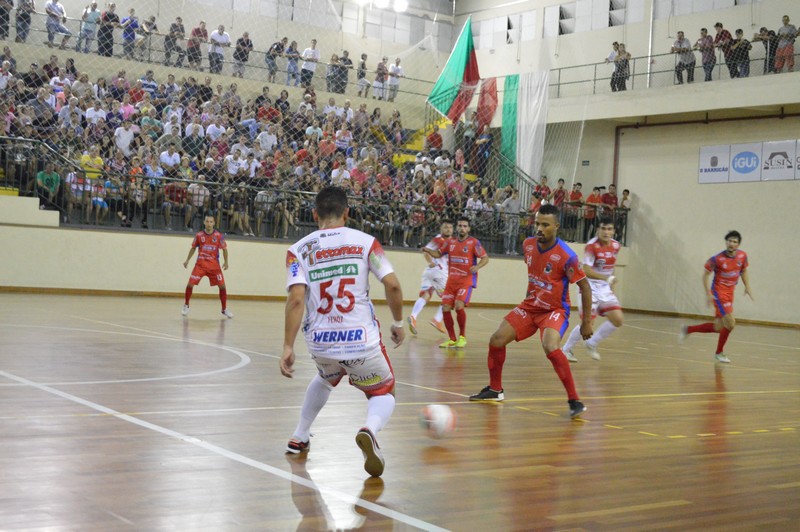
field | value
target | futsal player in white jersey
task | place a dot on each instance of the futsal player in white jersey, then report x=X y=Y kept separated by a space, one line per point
x=434 y=278
x=328 y=273
x=599 y=259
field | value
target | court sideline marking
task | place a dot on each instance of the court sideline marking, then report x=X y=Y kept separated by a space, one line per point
x=236 y=457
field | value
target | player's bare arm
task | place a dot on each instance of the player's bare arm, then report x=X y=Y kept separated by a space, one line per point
x=435 y=253
x=707 y=288
x=586 y=301
x=225 y=259
x=394 y=298
x=189 y=257
x=295 y=303
x=746 y=282
x=481 y=263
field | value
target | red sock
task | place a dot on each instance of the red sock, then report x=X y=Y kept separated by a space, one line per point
x=723 y=337
x=461 y=316
x=188 y=295
x=448 y=323
x=497 y=357
x=223 y=296
x=561 y=365
x=702 y=328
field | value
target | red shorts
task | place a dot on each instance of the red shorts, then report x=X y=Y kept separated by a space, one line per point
x=526 y=321
x=214 y=275
x=723 y=304
x=456 y=292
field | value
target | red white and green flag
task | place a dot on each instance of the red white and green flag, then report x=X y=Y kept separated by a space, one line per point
x=453 y=91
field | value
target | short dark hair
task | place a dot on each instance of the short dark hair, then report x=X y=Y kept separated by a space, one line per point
x=718 y=25
x=549 y=209
x=447 y=221
x=330 y=202
x=605 y=220
x=579 y=184
x=463 y=219
x=734 y=234
x=626 y=190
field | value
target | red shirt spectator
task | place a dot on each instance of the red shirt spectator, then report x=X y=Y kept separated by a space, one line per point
x=436 y=201
x=137 y=94
x=609 y=199
x=434 y=139
x=592 y=202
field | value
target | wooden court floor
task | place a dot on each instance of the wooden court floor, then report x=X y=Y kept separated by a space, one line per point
x=119 y=414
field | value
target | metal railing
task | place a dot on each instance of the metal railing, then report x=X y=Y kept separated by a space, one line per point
x=599 y=78
x=262 y=210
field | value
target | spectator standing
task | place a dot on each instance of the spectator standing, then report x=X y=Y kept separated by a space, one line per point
x=242 y=54
x=271 y=58
x=292 y=70
x=346 y=64
x=686 y=61
x=5 y=17
x=741 y=54
x=89 y=20
x=612 y=56
x=332 y=74
x=144 y=37
x=56 y=18
x=510 y=209
x=24 y=10
x=105 y=33
x=194 y=54
x=723 y=41
x=784 y=55
x=395 y=73
x=218 y=41
x=379 y=85
x=129 y=25
x=310 y=59
x=621 y=70
x=361 y=77
x=176 y=33
x=706 y=46
x=770 y=41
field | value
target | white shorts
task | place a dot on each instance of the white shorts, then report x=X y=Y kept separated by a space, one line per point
x=603 y=300
x=371 y=373
x=433 y=279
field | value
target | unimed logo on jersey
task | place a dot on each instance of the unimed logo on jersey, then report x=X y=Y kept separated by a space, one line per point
x=346 y=336
x=333 y=271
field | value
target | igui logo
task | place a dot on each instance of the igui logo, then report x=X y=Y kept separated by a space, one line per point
x=745 y=162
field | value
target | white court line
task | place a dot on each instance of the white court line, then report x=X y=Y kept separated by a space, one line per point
x=236 y=457
x=244 y=360
x=306 y=362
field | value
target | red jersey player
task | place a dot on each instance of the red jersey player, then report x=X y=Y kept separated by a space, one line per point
x=551 y=266
x=209 y=241
x=599 y=259
x=466 y=256
x=727 y=266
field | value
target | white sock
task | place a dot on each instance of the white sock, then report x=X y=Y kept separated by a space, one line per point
x=605 y=330
x=418 y=306
x=317 y=395
x=574 y=336
x=379 y=410
x=439 y=314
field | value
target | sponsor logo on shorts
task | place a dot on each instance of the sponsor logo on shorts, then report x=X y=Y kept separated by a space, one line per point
x=332 y=336
x=366 y=380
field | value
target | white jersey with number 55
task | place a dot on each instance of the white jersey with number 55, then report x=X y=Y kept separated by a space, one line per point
x=334 y=264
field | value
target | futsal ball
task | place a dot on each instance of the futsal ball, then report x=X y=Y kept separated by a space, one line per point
x=437 y=420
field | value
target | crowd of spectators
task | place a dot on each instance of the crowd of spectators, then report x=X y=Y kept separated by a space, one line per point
x=188 y=148
x=778 y=51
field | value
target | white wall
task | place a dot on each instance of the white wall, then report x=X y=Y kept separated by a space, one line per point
x=677 y=224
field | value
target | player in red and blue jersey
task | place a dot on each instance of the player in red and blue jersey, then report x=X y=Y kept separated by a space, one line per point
x=466 y=256
x=552 y=265
x=208 y=242
x=728 y=267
